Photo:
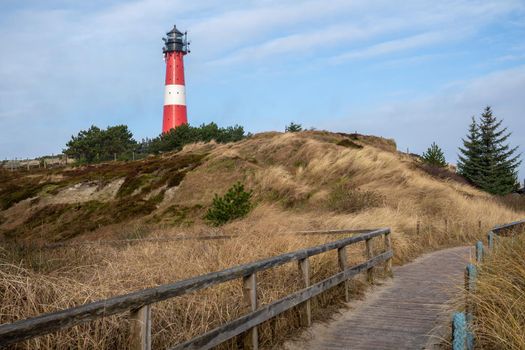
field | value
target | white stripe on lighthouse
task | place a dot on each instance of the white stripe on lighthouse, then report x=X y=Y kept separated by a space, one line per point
x=175 y=95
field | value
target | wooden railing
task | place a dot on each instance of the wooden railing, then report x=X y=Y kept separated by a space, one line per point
x=139 y=303
x=462 y=337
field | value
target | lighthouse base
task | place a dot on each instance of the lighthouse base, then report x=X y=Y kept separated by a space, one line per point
x=174 y=115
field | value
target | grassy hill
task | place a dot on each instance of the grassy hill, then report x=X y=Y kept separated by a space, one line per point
x=300 y=181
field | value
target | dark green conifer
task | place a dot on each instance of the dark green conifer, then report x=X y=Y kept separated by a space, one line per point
x=487 y=159
x=470 y=153
x=434 y=156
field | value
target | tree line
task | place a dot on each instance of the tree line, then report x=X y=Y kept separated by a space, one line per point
x=485 y=159
x=96 y=145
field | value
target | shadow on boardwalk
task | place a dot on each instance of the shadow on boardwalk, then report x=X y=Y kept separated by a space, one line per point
x=404 y=313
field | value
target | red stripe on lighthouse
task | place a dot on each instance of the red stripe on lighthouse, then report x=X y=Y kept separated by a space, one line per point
x=175 y=92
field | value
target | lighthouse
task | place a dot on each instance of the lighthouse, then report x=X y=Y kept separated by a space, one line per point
x=175 y=47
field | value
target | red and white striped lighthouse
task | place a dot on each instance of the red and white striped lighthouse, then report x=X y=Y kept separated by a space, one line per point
x=175 y=47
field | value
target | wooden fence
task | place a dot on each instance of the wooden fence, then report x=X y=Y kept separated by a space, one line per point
x=139 y=303
x=462 y=337
x=207 y=237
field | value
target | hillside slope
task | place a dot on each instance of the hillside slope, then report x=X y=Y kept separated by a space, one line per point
x=300 y=181
x=334 y=180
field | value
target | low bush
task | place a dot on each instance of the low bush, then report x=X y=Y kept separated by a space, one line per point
x=434 y=156
x=293 y=127
x=234 y=204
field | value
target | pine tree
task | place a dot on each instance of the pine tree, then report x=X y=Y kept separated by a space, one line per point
x=487 y=160
x=434 y=156
x=470 y=153
x=234 y=204
x=293 y=127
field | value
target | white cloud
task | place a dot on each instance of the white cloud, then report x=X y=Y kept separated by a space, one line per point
x=294 y=29
x=387 y=47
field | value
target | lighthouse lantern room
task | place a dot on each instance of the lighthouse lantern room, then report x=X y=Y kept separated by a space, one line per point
x=175 y=47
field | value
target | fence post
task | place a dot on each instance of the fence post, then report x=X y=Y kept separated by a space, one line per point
x=388 y=263
x=470 y=335
x=251 y=338
x=370 y=270
x=459 y=331
x=479 y=251
x=343 y=264
x=470 y=277
x=490 y=239
x=140 y=332
x=417 y=227
x=305 y=308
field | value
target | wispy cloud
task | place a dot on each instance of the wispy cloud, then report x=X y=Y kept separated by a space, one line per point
x=255 y=34
x=387 y=47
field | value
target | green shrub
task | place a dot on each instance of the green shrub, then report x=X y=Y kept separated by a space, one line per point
x=175 y=139
x=293 y=127
x=234 y=204
x=434 y=156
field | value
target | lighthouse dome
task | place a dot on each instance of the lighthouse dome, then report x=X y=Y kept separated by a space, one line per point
x=175 y=41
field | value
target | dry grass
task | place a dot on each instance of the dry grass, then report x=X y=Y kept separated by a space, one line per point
x=293 y=176
x=499 y=300
x=41 y=283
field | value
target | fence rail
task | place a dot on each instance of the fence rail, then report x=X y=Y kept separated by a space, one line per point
x=462 y=336
x=206 y=237
x=139 y=302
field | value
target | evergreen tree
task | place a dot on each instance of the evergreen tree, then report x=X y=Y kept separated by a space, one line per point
x=487 y=160
x=234 y=204
x=184 y=134
x=434 y=156
x=293 y=127
x=96 y=144
x=470 y=153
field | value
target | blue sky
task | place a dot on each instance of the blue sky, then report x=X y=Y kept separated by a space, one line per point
x=415 y=71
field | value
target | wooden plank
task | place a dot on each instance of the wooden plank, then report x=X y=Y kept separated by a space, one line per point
x=369 y=271
x=404 y=314
x=137 y=240
x=306 y=307
x=140 y=328
x=251 y=338
x=332 y=232
x=388 y=264
x=240 y=325
x=47 y=323
x=343 y=264
x=499 y=228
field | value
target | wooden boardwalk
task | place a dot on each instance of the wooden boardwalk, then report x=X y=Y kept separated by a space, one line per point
x=404 y=313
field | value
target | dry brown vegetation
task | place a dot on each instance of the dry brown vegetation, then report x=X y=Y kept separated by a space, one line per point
x=308 y=180
x=499 y=298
